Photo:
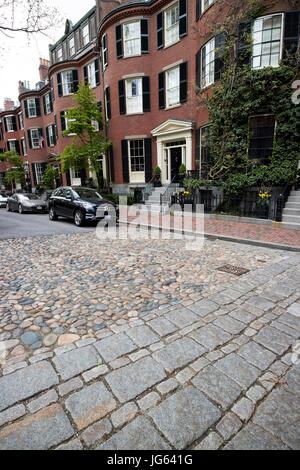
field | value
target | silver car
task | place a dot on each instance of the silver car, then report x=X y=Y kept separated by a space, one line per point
x=3 y=200
x=25 y=202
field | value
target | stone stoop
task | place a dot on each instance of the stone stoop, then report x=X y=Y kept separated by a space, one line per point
x=291 y=212
x=152 y=203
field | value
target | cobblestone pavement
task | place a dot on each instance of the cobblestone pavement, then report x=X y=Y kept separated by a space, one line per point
x=145 y=345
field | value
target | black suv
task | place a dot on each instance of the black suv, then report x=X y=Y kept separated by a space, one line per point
x=81 y=204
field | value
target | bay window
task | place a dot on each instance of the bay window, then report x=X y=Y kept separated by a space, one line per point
x=262 y=131
x=136 y=160
x=35 y=138
x=208 y=63
x=31 y=103
x=134 y=96
x=67 y=82
x=173 y=87
x=132 y=38
x=85 y=35
x=172 y=25
x=267 y=41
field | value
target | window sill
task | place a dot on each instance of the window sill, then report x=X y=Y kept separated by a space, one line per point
x=173 y=44
x=31 y=117
x=130 y=56
x=69 y=94
x=206 y=86
x=173 y=106
x=134 y=114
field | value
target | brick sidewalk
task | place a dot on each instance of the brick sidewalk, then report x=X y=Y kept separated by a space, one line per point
x=236 y=230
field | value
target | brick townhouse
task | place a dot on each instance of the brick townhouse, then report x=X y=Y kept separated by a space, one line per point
x=145 y=61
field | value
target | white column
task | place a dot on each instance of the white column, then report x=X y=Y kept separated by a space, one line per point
x=189 y=150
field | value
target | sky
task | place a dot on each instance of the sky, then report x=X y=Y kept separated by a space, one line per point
x=20 y=59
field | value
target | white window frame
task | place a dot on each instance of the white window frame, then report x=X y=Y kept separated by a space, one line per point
x=207 y=64
x=71 y=44
x=91 y=70
x=254 y=44
x=48 y=103
x=168 y=72
x=37 y=139
x=38 y=173
x=9 y=124
x=126 y=42
x=21 y=120
x=104 y=52
x=31 y=109
x=138 y=98
x=24 y=146
x=67 y=85
x=12 y=141
x=85 y=34
x=136 y=176
x=174 y=26
x=51 y=136
x=59 y=54
x=105 y=104
x=206 y=7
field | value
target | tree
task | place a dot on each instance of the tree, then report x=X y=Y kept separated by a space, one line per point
x=16 y=172
x=88 y=144
x=26 y=16
x=50 y=177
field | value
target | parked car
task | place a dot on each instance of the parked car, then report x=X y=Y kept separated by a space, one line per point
x=81 y=204
x=45 y=196
x=25 y=202
x=3 y=200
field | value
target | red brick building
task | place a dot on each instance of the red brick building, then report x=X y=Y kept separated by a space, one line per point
x=154 y=55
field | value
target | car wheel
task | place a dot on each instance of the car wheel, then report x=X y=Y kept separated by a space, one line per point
x=52 y=214
x=79 y=219
x=7 y=207
x=20 y=209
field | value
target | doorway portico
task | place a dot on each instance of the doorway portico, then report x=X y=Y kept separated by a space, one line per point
x=174 y=147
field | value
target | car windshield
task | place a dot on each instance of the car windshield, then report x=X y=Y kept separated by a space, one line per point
x=86 y=193
x=28 y=196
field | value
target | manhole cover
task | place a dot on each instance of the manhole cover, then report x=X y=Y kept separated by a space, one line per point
x=228 y=268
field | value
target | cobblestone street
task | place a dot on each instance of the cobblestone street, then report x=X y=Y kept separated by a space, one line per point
x=146 y=345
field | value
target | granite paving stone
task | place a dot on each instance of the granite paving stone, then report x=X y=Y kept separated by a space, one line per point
x=238 y=369
x=273 y=339
x=253 y=437
x=230 y=324
x=290 y=320
x=46 y=428
x=211 y=336
x=185 y=416
x=181 y=317
x=90 y=404
x=256 y=355
x=76 y=361
x=261 y=302
x=279 y=414
x=140 y=434
x=229 y=425
x=292 y=379
x=124 y=414
x=204 y=307
x=43 y=401
x=11 y=414
x=179 y=353
x=115 y=346
x=242 y=315
x=96 y=432
x=132 y=380
x=217 y=386
x=142 y=336
x=211 y=442
x=26 y=382
x=162 y=326
x=74 y=444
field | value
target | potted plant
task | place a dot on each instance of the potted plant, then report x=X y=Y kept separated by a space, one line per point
x=182 y=172
x=157 y=179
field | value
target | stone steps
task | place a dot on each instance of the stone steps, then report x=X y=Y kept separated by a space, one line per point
x=291 y=212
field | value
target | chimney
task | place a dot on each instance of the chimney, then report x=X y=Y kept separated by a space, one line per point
x=43 y=69
x=8 y=104
x=23 y=86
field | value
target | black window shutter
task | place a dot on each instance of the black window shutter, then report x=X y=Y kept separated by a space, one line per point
x=51 y=102
x=125 y=163
x=5 y=125
x=182 y=18
x=122 y=97
x=21 y=150
x=220 y=40
x=19 y=122
x=99 y=104
x=197 y=147
x=62 y=121
x=47 y=135
x=75 y=80
x=26 y=108
x=111 y=163
x=291 y=34
x=183 y=82
x=44 y=104
x=55 y=126
x=52 y=90
x=119 y=41
x=148 y=159
x=144 y=36
x=33 y=173
x=161 y=90
x=54 y=134
x=29 y=139
x=146 y=94
x=244 y=45
x=37 y=106
x=14 y=123
x=97 y=72
x=68 y=177
x=104 y=48
x=198 y=9
x=83 y=176
x=107 y=95
x=85 y=74
x=18 y=147
x=59 y=84
x=160 y=30
x=198 y=70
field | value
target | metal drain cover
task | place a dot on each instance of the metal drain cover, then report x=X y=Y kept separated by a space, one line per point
x=228 y=268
